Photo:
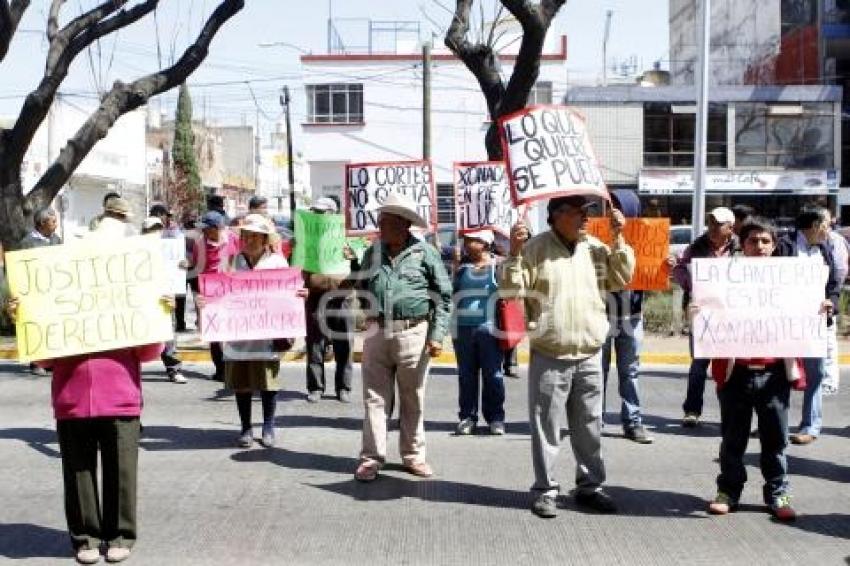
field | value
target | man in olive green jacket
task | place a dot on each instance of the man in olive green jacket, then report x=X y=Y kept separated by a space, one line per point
x=410 y=294
x=564 y=276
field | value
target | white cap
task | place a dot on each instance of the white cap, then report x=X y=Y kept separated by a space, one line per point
x=722 y=215
x=324 y=204
x=485 y=236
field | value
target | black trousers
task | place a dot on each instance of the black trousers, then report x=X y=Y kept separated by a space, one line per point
x=117 y=441
x=766 y=392
x=342 y=342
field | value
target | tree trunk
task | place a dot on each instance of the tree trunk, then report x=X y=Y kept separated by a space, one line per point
x=15 y=213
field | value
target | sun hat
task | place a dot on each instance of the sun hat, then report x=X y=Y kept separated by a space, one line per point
x=401 y=206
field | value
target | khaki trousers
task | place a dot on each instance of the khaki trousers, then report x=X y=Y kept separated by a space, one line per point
x=393 y=356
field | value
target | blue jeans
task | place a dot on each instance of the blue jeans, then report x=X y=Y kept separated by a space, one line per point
x=812 y=417
x=626 y=338
x=478 y=352
x=697 y=375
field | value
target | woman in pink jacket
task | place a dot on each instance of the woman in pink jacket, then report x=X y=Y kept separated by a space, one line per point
x=97 y=402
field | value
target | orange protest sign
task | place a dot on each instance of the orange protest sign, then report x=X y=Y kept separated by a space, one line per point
x=650 y=239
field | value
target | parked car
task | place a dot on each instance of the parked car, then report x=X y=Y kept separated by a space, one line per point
x=680 y=237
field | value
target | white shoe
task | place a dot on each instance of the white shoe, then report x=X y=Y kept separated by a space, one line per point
x=88 y=556
x=117 y=554
x=177 y=377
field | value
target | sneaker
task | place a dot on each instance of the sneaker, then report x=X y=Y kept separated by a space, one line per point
x=246 y=439
x=802 y=438
x=690 y=420
x=511 y=372
x=722 y=504
x=344 y=396
x=367 y=471
x=544 y=506
x=88 y=556
x=117 y=554
x=36 y=369
x=598 y=501
x=638 y=434
x=267 y=439
x=177 y=377
x=497 y=428
x=465 y=427
x=421 y=469
x=314 y=396
x=781 y=508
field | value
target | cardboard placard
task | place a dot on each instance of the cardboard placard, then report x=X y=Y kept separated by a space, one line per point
x=367 y=185
x=483 y=197
x=650 y=239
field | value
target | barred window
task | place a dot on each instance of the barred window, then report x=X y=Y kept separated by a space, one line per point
x=337 y=103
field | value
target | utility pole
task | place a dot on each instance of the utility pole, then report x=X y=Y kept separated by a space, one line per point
x=608 y=15
x=701 y=141
x=284 y=101
x=426 y=100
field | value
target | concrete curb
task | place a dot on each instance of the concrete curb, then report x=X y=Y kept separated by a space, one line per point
x=446 y=358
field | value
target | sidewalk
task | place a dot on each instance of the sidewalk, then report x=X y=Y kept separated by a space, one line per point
x=656 y=350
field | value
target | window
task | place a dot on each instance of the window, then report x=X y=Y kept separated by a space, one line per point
x=445 y=203
x=798 y=136
x=669 y=131
x=338 y=103
x=541 y=93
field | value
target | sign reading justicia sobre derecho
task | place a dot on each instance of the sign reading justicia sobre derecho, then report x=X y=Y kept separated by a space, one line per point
x=548 y=154
x=758 y=307
x=83 y=297
x=252 y=305
x=483 y=197
x=367 y=186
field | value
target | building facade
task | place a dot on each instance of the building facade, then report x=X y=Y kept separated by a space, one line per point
x=774 y=148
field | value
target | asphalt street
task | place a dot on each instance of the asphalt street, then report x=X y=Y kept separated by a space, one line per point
x=204 y=501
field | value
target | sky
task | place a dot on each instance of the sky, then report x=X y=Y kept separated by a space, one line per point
x=240 y=81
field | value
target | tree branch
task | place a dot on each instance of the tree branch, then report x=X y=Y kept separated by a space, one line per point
x=123 y=98
x=66 y=45
x=10 y=17
x=53 y=19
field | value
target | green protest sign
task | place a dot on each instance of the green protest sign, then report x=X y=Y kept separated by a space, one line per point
x=319 y=239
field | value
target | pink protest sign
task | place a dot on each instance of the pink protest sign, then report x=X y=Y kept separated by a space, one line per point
x=252 y=305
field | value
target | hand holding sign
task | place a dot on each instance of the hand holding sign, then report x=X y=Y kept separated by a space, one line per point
x=519 y=235
x=618 y=221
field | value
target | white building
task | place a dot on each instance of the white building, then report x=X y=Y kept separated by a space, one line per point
x=273 y=174
x=118 y=163
x=367 y=107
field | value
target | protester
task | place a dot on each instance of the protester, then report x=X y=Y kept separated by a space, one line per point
x=212 y=252
x=718 y=241
x=625 y=316
x=809 y=239
x=258 y=204
x=840 y=249
x=97 y=402
x=479 y=358
x=254 y=365
x=328 y=323
x=411 y=297
x=43 y=234
x=96 y=220
x=173 y=365
x=563 y=275
x=742 y=212
x=215 y=203
x=190 y=231
x=755 y=384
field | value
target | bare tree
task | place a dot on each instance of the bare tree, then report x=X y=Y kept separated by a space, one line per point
x=66 y=42
x=482 y=58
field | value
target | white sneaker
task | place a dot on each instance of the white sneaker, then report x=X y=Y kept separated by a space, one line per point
x=176 y=377
x=117 y=554
x=88 y=556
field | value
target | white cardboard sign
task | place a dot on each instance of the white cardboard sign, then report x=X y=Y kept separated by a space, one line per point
x=483 y=197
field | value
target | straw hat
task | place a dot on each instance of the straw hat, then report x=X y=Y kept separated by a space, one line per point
x=117 y=205
x=399 y=205
x=257 y=223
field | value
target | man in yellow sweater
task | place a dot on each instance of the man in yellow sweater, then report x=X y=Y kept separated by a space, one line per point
x=563 y=275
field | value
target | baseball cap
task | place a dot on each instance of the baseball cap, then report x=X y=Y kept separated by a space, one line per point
x=576 y=201
x=722 y=215
x=151 y=222
x=324 y=204
x=485 y=236
x=211 y=219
